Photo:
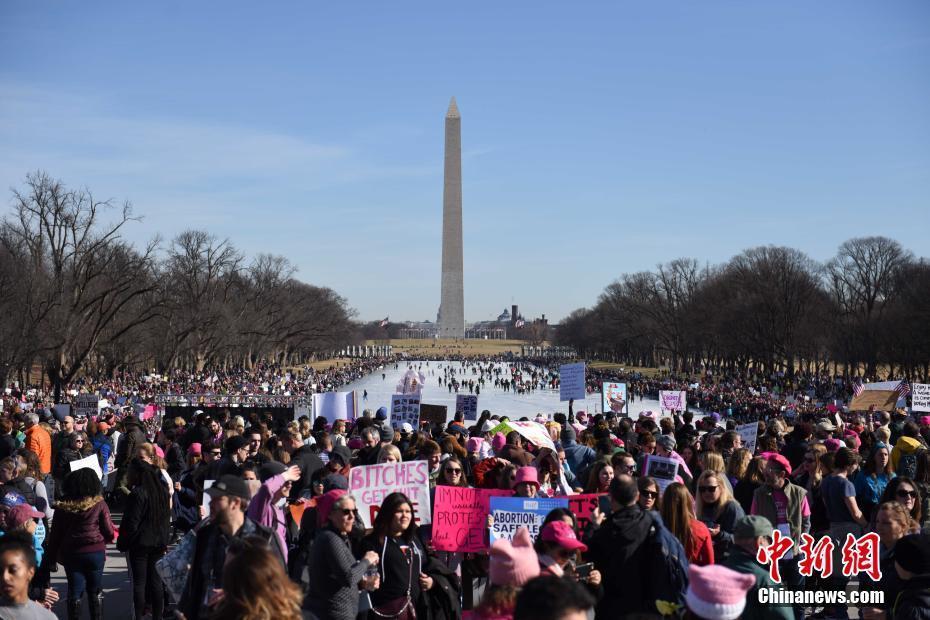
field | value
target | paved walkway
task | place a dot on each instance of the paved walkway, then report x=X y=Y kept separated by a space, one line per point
x=117 y=598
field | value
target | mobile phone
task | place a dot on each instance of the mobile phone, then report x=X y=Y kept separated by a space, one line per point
x=603 y=504
x=583 y=571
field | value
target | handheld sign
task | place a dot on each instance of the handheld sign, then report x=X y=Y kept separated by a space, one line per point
x=434 y=414
x=512 y=513
x=748 y=433
x=460 y=518
x=673 y=400
x=571 y=382
x=468 y=405
x=405 y=408
x=614 y=398
x=88 y=462
x=370 y=484
x=920 y=397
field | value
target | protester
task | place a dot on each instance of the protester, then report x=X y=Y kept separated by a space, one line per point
x=144 y=534
x=749 y=534
x=265 y=508
x=717 y=509
x=78 y=538
x=717 y=592
x=40 y=442
x=17 y=568
x=336 y=576
x=599 y=479
x=912 y=563
x=255 y=586
x=552 y=598
x=511 y=565
x=650 y=497
x=678 y=516
x=871 y=480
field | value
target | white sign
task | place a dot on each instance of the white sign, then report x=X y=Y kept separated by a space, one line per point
x=672 y=400
x=88 y=462
x=84 y=405
x=920 y=397
x=467 y=404
x=571 y=382
x=663 y=470
x=748 y=433
x=405 y=408
x=334 y=406
x=206 y=496
x=370 y=484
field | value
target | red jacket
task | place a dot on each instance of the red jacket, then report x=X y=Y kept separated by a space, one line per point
x=701 y=549
x=79 y=527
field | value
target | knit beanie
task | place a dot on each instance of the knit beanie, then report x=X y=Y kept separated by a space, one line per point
x=568 y=434
x=498 y=443
x=716 y=592
x=913 y=553
x=513 y=564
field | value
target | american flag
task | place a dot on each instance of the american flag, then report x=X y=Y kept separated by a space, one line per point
x=519 y=323
x=858 y=388
x=384 y=322
x=903 y=389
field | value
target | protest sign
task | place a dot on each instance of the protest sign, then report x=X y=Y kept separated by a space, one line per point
x=405 y=408
x=460 y=518
x=920 y=397
x=206 y=498
x=583 y=506
x=370 y=484
x=511 y=513
x=84 y=405
x=571 y=382
x=673 y=400
x=534 y=432
x=88 y=462
x=468 y=405
x=297 y=510
x=881 y=400
x=662 y=469
x=613 y=398
x=334 y=406
x=434 y=414
x=748 y=433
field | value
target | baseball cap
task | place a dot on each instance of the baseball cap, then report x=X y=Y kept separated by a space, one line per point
x=231 y=486
x=562 y=534
x=406 y=427
x=752 y=526
x=18 y=515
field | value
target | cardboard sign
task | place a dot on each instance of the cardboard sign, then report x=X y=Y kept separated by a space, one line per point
x=88 y=462
x=511 y=513
x=571 y=382
x=920 y=397
x=673 y=400
x=370 y=484
x=662 y=469
x=583 y=506
x=882 y=400
x=460 y=518
x=533 y=432
x=334 y=406
x=748 y=433
x=468 y=405
x=614 y=398
x=405 y=408
x=84 y=405
x=434 y=414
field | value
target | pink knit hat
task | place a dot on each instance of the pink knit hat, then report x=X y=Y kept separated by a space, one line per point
x=716 y=592
x=832 y=444
x=513 y=564
x=527 y=474
x=473 y=444
x=498 y=442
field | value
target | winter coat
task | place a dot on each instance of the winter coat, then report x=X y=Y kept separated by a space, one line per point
x=80 y=526
x=103 y=446
x=618 y=551
x=263 y=510
x=139 y=527
x=913 y=602
x=133 y=436
x=39 y=441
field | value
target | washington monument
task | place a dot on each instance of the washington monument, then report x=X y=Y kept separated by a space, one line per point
x=452 y=301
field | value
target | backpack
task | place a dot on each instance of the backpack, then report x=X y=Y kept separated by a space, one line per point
x=907 y=464
x=668 y=565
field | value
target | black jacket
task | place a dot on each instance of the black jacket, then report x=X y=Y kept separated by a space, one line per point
x=7 y=446
x=133 y=436
x=139 y=527
x=309 y=463
x=198 y=580
x=913 y=602
x=618 y=551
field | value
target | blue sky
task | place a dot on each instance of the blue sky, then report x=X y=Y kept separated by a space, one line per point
x=598 y=138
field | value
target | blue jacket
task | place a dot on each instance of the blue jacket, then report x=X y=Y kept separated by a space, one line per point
x=577 y=456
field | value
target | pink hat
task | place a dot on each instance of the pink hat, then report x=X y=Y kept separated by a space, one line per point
x=325 y=504
x=498 y=442
x=195 y=448
x=474 y=444
x=832 y=444
x=781 y=460
x=159 y=451
x=925 y=420
x=718 y=592
x=562 y=534
x=513 y=564
x=527 y=475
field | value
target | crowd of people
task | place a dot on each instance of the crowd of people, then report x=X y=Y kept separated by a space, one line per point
x=250 y=516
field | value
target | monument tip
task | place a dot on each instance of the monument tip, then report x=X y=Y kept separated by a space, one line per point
x=453 y=111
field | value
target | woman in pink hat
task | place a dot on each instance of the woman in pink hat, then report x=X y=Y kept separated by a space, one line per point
x=511 y=565
x=526 y=482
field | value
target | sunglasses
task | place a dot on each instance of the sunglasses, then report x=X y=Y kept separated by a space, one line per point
x=453 y=471
x=906 y=493
x=346 y=512
x=217 y=453
x=707 y=489
x=650 y=494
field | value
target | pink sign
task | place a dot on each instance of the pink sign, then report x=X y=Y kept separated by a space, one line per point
x=583 y=506
x=460 y=518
